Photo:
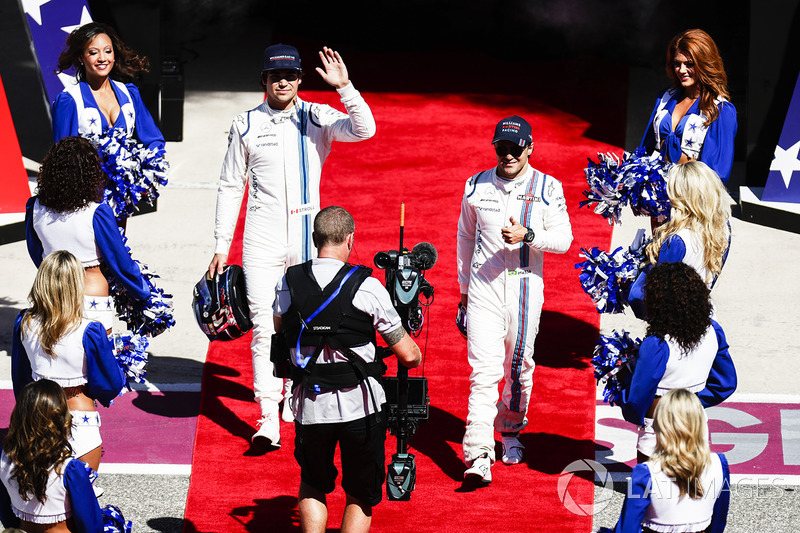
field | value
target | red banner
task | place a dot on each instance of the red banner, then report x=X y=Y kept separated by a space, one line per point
x=13 y=178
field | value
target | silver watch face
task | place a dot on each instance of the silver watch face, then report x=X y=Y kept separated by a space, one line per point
x=529 y=236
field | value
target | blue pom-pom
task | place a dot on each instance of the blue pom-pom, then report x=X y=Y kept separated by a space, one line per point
x=637 y=180
x=614 y=360
x=643 y=179
x=114 y=522
x=606 y=277
x=151 y=316
x=604 y=187
x=130 y=350
x=134 y=171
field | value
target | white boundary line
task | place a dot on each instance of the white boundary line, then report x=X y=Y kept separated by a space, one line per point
x=149 y=387
x=743 y=397
x=166 y=387
x=145 y=469
x=757 y=397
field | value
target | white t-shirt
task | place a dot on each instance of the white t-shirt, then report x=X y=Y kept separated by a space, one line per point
x=342 y=405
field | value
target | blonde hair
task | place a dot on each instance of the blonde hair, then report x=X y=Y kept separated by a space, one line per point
x=701 y=204
x=56 y=298
x=681 y=445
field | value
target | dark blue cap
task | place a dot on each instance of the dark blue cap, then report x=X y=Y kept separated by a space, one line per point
x=281 y=56
x=515 y=129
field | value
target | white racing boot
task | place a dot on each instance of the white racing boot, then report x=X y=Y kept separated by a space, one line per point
x=269 y=432
x=481 y=470
x=512 y=448
x=286 y=408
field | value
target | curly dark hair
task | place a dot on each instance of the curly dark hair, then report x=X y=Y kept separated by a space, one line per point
x=70 y=176
x=677 y=303
x=127 y=63
x=38 y=437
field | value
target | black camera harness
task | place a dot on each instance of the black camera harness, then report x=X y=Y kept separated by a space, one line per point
x=331 y=320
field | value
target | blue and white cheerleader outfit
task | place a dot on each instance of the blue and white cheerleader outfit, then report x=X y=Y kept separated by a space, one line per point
x=653 y=501
x=661 y=366
x=131 y=149
x=69 y=495
x=684 y=246
x=712 y=144
x=83 y=358
x=91 y=234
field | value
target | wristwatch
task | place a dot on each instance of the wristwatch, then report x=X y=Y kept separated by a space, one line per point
x=529 y=236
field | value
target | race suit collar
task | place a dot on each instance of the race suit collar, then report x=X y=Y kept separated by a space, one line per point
x=289 y=111
x=509 y=185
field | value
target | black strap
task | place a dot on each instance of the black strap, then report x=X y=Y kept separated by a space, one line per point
x=333 y=376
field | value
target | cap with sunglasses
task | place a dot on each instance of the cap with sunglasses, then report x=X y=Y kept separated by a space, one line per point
x=515 y=129
x=281 y=56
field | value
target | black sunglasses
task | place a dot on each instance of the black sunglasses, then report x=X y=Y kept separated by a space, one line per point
x=504 y=150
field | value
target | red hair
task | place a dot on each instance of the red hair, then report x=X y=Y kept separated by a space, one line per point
x=698 y=46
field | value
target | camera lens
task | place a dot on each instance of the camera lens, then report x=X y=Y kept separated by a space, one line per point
x=383 y=260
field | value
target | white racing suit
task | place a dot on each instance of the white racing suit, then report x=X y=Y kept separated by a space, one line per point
x=282 y=153
x=505 y=294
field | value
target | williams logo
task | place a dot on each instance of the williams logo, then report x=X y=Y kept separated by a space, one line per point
x=528 y=198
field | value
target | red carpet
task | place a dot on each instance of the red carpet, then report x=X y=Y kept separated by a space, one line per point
x=425 y=149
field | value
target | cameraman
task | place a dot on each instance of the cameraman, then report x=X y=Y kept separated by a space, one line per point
x=510 y=215
x=322 y=303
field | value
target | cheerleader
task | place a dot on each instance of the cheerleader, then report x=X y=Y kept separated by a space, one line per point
x=684 y=348
x=683 y=487
x=53 y=341
x=43 y=487
x=111 y=114
x=66 y=214
x=694 y=119
x=698 y=232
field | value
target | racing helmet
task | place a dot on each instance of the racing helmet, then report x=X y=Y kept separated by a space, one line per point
x=220 y=305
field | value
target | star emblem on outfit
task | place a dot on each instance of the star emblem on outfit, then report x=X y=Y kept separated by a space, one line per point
x=108 y=304
x=130 y=115
x=85 y=419
x=689 y=142
x=786 y=162
x=93 y=304
x=693 y=127
x=93 y=121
